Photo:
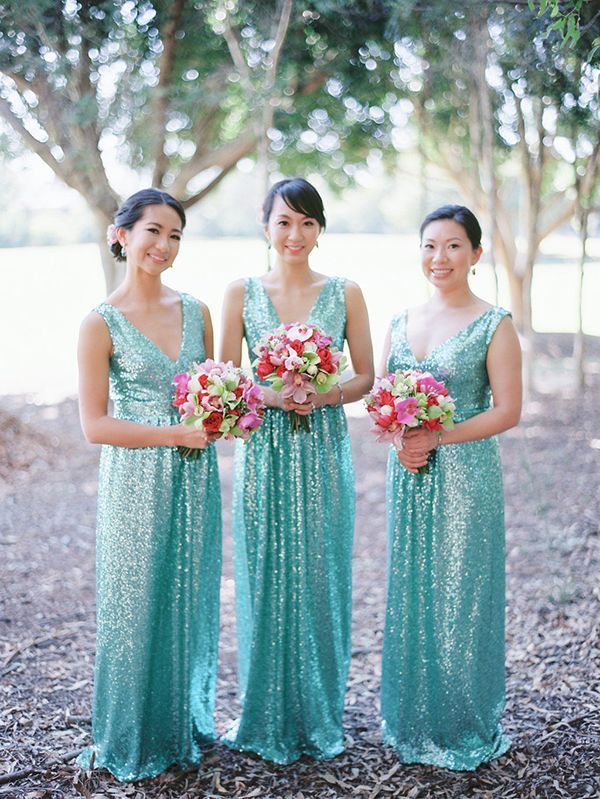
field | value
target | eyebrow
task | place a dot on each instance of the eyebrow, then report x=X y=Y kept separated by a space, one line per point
x=283 y=215
x=157 y=224
x=452 y=238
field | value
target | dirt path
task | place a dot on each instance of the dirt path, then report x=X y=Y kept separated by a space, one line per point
x=551 y=463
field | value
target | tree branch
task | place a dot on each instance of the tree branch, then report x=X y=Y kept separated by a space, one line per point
x=282 y=27
x=237 y=55
x=208 y=188
x=161 y=98
x=227 y=155
x=39 y=148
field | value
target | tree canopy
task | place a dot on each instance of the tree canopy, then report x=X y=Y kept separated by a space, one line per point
x=500 y=96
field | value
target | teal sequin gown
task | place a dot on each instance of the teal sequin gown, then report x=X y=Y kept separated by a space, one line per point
x=293 y=520
x=158 y=559
x=442 y=690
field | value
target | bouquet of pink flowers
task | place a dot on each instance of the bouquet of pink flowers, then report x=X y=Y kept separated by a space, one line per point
x=219 y=398
x=299 y=360
x=406 y=399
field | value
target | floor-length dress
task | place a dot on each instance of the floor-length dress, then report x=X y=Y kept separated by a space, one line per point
x=293 y=525
x=442 y=689
x=158 y=562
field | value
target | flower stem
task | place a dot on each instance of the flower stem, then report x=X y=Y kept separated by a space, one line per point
x=299 y=422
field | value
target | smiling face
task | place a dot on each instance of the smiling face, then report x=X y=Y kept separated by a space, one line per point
x=153 y=242
x=447 y=255
x=292 y=234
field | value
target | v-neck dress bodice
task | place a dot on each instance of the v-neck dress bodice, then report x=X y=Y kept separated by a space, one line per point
x=293 y=522
x=158 y=557
x=442 y=691
x=141 y=374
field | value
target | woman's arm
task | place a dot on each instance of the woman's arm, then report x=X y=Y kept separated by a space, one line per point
x=232 y=323
x=209 y=346
x=358 y=335
x=385 y=353
x=504 y=371
x=94 y=351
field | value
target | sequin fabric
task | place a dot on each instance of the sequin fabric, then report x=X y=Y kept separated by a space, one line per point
x=293 y=519
x=158 y=560
x=442 y=690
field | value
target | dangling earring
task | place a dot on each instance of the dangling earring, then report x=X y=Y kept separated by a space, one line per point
x=123 y=251
x=317 y=244
x=473 y=269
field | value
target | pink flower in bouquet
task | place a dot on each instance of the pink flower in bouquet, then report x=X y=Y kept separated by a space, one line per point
x=406 y=410
x=249 y=421
x=292 y=362
x=299 y=332
x=297 y=387
x=253 y=396
x=322 y=340
x=429 y=385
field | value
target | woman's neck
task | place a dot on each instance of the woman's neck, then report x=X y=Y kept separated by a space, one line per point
x=457 y=298
x=140 y=288
x=293 y=275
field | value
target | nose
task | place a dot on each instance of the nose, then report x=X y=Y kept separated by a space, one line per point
x=295 y=233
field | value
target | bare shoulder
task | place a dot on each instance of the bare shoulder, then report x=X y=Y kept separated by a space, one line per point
x=352 y=290
x=94 y=335
x=233 y=298
x=236 y=288
x=93 y=325
x=507 y=329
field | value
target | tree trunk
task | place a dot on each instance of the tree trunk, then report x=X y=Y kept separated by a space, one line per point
x=114 y=271
x=487 y=171
x=579 y=340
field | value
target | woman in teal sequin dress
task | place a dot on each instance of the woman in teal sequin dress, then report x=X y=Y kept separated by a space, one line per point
x=159 y=523
x=293 y=512
x=442 y=689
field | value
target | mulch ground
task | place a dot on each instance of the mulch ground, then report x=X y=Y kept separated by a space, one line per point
x=551 y=467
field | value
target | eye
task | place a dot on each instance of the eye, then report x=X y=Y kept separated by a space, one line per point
x=176 y=236
x=282 y=222
x=309 y=222
x=152 y=230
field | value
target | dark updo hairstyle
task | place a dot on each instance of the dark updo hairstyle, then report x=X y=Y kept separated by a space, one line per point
x=300 y=196
x=460 y=214
x=133 y=208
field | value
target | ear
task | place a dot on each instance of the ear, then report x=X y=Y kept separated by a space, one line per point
x=477 y=255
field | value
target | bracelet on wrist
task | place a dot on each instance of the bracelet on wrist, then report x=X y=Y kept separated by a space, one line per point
x=341 y=399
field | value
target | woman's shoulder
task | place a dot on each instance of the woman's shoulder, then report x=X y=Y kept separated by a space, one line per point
x=95 y=327
x=237 y=288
